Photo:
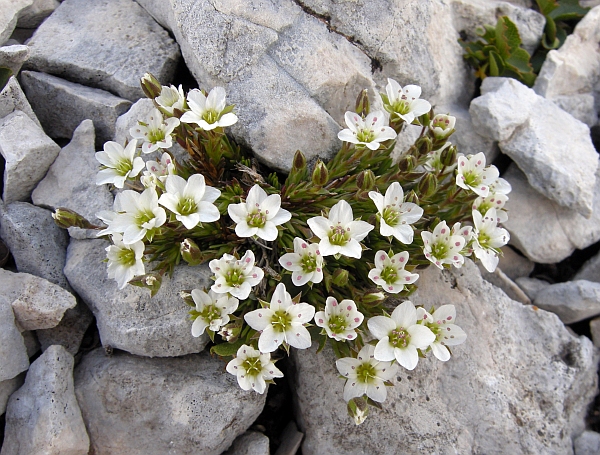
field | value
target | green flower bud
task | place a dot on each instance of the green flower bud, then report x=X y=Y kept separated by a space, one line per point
x=373 y=297
x=412 y=197
x=150 y=86
x=425 y=119
x=362 y=103
x=424 y=145
x=150 y=281
x=365 y=180
x=448 y=156
x=320 y=174
x=299 y=162
x=407 y=163
x=66 y=218
x=358 y=409
x=340 y=278
x=427 y=185
x=191 y=253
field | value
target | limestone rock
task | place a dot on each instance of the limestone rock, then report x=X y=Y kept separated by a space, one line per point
x=71 y=180
x=571 y=301
x=130 y=319
x=61 y=105
x=43 y=416
x=519 y=384
x=13 y=56
x=595 y=331
x=184 y=405
x=70 y=330
x=9 y=13
x=514 y=265
x=7 y=387
x=588 y=443
x=250 y=443
x=531 y=286
x=36 y=13
x=590 y=270
x=28 y=153
x=13 y=353
x=580 y=106
x=499 y=279
x=38 y=245
x=13 y=99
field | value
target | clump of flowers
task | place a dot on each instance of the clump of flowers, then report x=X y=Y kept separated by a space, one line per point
x=328 y=255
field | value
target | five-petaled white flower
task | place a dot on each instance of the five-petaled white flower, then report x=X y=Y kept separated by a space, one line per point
x=124 y=261
x=400 y=336
x=212 y=310
x=366 y=375
x=253 y=369
x=259 y=215
x=235 y=276
x=157 y=171
x=405 y=102
x=488 y=238
x=155 y=133
x=305 y=263
x=495 y=201
x=369 y=132
x=140 y=215
x=118 y=163
x=443 y=247
x=340 y=319
x=389 y=272
x=442 y=125
x=171 y=98
x=396 y=216
x=472 y=173
x=207 y=111
x=441 y=323
x=282 y=322
x=339 y=233
x=191 y=201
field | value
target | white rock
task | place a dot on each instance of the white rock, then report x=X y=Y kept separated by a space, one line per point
x=588 y=443
x=531 y=286
x=109 y=44
x=28 y=153
x=9 y=14
x=37 y=303
x=7 y=387
x=43 y=416
x=13 y=353
x=250 y=443
x=61 y=105
x=34 y=15
x=183 y=405
x=515 y=265
x=580 y=106
x=499 y=279
x=519 y=384
x=13 y=56
x=130 y=319
x=13 y=99
x=571 y=301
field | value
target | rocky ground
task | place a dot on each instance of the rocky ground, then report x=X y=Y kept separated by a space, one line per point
x=87 y=368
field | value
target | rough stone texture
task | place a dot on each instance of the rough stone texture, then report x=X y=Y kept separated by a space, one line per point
x=499 y=279
x=520 y=384
x=7 y=388
x=13 y=99
x=130 y=319
x=531 y=286
x=61 y=106
x=109 y=44
x=590 y=270
x=580 y=106
x=43 y=416
x=514 y=265
x=37 y=244
x=34 y=15
x=250 y=443
x=571 y=301
x=595 y=331
x=28 y=153
x=37 y=303
x=70 y=330
x=71 y=181
x=543 y=230
x=13 y=353
x=13 y=56
x=9 y=14
x=542 y=139
x=588 y=443
x=140 y=406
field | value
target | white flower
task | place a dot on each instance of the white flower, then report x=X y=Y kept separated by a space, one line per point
x=158 y=171
x=171 y=98
x=212 y=310
x=119 y=163
x=443 y=247
x=155 y=133
x=488 y=238
x=140 y=217
x=396 y=216
x=366 y=375
x=207 y=111
x=191 y=201
x=282 y=322
x=495 y=201
x=369 y=132
x=259 y=215
x=339 y=233
x=124 y=261
x=442 y=125
x=405 y=102
x=472 y=174
x=441 y=323
x=235 y=276
x=465 y=232
x=389 y=272
x=434 y=161
x=253 y=369
x=305 y=263
x=400 y=336
x=339 y=319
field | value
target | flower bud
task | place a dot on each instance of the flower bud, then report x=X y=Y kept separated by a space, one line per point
x=150 y=281
x=150 y=86
x=340 y=277
x=365 y=180
x=230 y=332
x=299 y=162
x=66 y=218
x=407 y=163
x=191 y=253
x=424 y=145
x=373 y=298
x=412 y=197
x=448 y=156
x=358 y=409
x=442 y=126
x=362 y=103
x=427 y=185
x=320 y=174
x=425 y=119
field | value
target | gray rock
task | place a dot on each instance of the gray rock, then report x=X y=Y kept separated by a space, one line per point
x=588 y=443
x=595 y=331
x=580 y=106
x=13 y=56
x=87 y=41
x=531 y=286
x=514 y=265
x=571 y=301
x=31 y=342
x=519 y=384
x=130 y=319
x=70 y=330
x=13 y=99
x=250 y=443
x=7 y=387
x=9 y=13
x=34 y=15
x=71 y=181
x=37 y=244
x=37 y=303
x=291 y=439
x=61 y=106
x=499 y=279
x=13 y=353
x=590 y=270
x=184 y=405
x=28 y=153
x=43 y=416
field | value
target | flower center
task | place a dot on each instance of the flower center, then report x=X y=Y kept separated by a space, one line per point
x=365 y=373
x=187 y=206
x=281 y=320
x=402 y=106
x=155 y=136
x=484 y=240
x=256 y=219
x=211 y=117
x=338 y=235
x=439 y=250
x=471 y=178
x=442 y=123
x=126 y=257
x=337 y=324
x=123 y=166
x=235 y=277
x=252 y=366
x=484 y=207
x=389 y=274
x=143 y=219
x=391 y=216
x=308 y=263
x=210 y=313
x=399 y=338
x=365 y=135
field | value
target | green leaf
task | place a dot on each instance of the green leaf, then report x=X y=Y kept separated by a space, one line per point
x=568 y=10
x=5 y=74
x=550 y=31
x=496 y=66
x=547 y=6
x=512 y=34
x=520 y=60
x=227 y=349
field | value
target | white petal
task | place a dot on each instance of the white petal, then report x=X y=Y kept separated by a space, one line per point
x=440 y=352
x=347 y=366
x=268 y=232
x=319 y=225
x=359 y=229
x=299 y=337
x=407 y=357
x=237 y=212
x=384 y=350
x=380 y=327
x=453 y=335
x=405 y=314
x=341 y=212
x=198 y=327
x=270 y=340
x=420 y=336
x=377 y=391
x=351 y=249
x=353 y=389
